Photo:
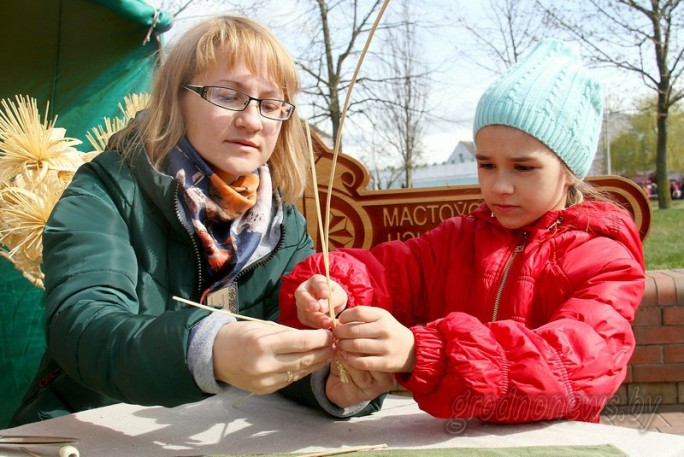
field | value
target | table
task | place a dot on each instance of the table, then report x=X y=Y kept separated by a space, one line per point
x=268 y=424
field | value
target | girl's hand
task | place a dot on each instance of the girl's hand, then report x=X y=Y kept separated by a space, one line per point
x=268 y=357
x=312 y=298
x=362 y=386
x=371 y=339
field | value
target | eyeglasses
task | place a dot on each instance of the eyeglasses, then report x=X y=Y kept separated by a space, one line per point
x=234 y=100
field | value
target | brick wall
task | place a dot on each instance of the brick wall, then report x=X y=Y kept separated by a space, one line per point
x=656 y=370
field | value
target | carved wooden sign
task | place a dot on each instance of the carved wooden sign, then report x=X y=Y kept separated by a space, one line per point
x=361 y=218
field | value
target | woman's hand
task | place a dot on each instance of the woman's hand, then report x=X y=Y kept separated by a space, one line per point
x=263 y=358
x=371 y=339
x=362 y=386
x=312 y=297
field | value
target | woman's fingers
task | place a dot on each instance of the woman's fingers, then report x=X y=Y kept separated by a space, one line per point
x=271 y=355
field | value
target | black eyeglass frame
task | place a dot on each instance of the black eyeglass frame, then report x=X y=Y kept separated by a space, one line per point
x=202 y=91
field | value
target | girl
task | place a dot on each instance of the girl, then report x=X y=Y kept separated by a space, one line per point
x=521 y=310
x=194 y=199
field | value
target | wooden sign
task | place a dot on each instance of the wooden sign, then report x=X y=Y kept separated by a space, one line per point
x=362 y=218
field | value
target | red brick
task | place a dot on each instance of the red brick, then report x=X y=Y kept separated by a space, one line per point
x=665 y=286
x=673 y=316
x=678 y=277
x=650 y=315
x=647 y=355
x=650 y=297
x=643 y=396
x=620 y=397
x=659 y=334
x=629 y=378
x=673 y=353
x=673 y=372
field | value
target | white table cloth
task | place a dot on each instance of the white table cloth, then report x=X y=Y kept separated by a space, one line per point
x=267 y=424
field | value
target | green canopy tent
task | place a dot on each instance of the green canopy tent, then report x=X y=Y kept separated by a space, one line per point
x=83 y=57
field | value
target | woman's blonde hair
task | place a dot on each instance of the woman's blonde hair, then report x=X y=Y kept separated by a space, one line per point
x=224 y=40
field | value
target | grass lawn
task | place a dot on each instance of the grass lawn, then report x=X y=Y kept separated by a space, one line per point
x=664 y=246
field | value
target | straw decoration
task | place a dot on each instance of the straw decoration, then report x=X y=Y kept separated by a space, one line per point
x=37 y=162
x=27 y=143
x=132 y=104
x=99 y=136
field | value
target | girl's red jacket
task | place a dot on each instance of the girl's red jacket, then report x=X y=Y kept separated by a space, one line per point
x=509 y=326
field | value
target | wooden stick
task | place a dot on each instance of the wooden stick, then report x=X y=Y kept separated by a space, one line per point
x=336 y=151
x=344 y=378
x=325 y=241
x=241 y=400
x=373 y=447
x=319 y=218
x=225 y=311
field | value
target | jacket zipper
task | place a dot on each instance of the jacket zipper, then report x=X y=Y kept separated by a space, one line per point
x=518 y=248
x=264 y=259
x=198 y=259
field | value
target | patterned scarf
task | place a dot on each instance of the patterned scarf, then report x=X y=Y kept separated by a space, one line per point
x=230 y=220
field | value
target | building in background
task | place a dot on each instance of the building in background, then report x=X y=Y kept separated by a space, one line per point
x=460 y=168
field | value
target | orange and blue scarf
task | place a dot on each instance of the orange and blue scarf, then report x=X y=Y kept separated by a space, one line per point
x=229 y=219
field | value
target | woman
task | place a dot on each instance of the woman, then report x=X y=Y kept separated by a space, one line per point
x=194 y=199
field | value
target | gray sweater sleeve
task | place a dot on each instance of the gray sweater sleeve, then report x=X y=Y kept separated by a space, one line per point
x=318 y=381
x=200 y=352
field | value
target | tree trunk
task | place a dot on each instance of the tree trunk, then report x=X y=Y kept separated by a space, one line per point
x=662 y=179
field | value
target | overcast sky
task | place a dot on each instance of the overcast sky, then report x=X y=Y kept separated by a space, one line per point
x=458 y=83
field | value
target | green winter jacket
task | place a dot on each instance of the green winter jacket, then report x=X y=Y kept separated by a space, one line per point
x=115 y=253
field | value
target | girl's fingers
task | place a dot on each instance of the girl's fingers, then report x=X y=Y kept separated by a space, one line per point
x=362 y=314
x=358 y=330
x=363 y=362
x=362 y=346
x=306 y=300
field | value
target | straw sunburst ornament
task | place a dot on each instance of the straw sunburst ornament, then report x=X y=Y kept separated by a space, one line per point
x=37 y=162
x=24 y=210
x=29 y=144
x=99 y=136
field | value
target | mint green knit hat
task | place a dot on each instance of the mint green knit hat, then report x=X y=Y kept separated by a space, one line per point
x=552 y=97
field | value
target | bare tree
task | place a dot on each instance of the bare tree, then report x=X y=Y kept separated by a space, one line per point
x=508 y=30
x=186 y=12
x=399 y=113
x=328 y=59
x=382 y=176
x=639 y=36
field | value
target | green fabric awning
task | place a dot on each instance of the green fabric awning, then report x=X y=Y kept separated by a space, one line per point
x=84 y=57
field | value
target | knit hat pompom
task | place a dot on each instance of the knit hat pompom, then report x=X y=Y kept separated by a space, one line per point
x=551 y=96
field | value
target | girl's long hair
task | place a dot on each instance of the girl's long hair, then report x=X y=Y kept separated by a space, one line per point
x=580 y=191
x=224 y=40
